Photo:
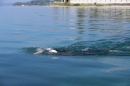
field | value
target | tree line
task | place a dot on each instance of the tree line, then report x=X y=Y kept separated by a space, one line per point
x=34 y=2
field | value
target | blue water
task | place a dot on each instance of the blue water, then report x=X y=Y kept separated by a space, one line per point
x=25 y=29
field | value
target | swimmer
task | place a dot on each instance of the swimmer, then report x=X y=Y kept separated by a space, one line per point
x=85 y=51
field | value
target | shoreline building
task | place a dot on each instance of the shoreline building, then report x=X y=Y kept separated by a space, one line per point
x=97 y=1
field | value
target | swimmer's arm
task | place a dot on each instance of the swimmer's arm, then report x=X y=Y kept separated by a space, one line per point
x=39 y=52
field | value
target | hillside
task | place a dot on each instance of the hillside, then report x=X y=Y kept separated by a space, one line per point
x=33 y=2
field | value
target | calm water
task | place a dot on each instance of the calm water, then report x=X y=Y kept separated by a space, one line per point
x=24 y=29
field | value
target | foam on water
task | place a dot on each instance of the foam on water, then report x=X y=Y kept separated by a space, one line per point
x=48 y=50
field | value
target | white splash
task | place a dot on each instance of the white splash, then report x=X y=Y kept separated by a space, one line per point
x=41 y=50
x=85 y=49
x=50 y=50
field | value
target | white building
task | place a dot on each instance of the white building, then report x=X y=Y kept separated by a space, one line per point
x=98 y=1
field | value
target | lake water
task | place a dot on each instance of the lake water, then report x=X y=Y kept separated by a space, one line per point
x=103 y=31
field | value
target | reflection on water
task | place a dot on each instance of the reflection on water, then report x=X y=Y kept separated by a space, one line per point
x=94 y=21
x=56 y=26
x=81 y=17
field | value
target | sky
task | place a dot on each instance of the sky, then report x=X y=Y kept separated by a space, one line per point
x=12 y=1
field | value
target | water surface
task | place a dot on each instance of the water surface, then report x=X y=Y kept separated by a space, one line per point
x=24 y=29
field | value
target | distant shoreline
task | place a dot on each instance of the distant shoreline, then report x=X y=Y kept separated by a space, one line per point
x=86 y=5
x=61 y=4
